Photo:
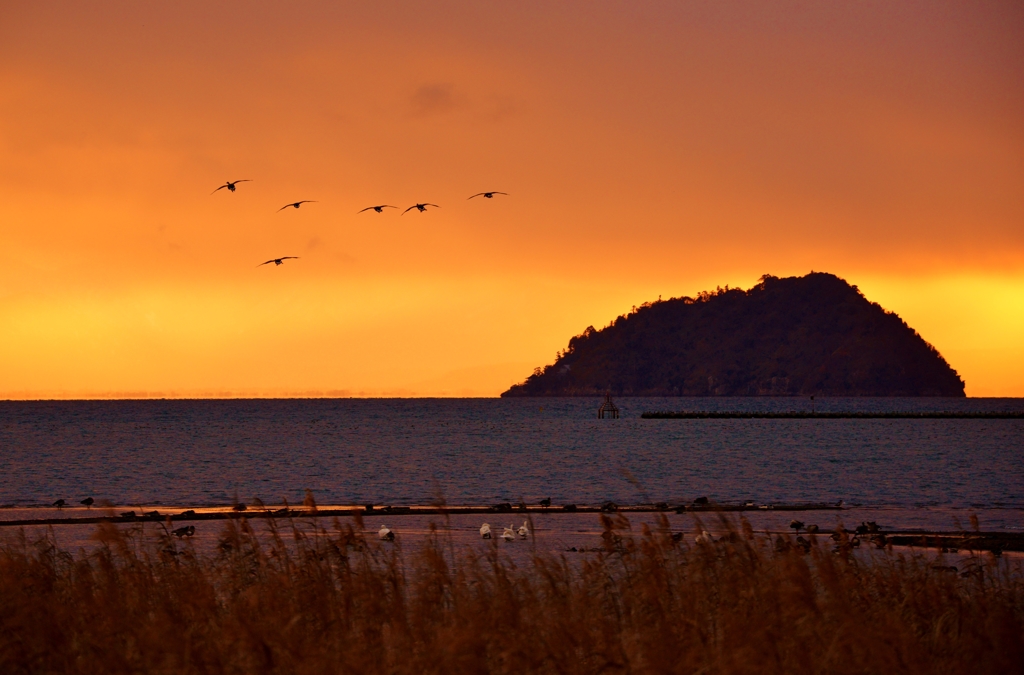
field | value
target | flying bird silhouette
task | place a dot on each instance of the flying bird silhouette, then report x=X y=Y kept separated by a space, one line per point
x=488 y=195
x=279 y=261
x=230 y=185
x=421 y=207
x=378 y=209
x=296 y=204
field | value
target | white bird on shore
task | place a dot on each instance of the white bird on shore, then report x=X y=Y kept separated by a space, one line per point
x=385 y=534
x=703 y=537
x=524 y=531
x=508 y=534
x=485 y=531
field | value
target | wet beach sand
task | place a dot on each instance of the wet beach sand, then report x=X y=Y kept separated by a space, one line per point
x=553 y=530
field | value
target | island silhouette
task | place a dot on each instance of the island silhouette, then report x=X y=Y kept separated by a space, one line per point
x=810 y=335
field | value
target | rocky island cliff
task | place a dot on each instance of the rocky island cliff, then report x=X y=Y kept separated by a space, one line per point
x=808 y=335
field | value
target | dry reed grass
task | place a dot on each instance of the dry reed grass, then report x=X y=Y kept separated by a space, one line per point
x=330 y=601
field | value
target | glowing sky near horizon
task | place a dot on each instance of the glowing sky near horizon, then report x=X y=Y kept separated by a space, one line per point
x=649 y=149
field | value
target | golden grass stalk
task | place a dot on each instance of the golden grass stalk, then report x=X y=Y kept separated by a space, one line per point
x=328 y=600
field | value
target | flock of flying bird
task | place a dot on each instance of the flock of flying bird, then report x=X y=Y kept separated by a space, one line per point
x=420 y=207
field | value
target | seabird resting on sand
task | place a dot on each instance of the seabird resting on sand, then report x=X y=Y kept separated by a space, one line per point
x=485 y=531
x=385 y=534
x=508 y=534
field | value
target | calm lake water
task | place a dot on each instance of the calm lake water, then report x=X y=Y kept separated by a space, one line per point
x=485 y=451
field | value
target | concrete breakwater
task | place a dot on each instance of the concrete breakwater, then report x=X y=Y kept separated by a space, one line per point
x=931 y=415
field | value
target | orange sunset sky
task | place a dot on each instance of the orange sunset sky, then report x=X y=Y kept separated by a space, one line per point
x=651 y=148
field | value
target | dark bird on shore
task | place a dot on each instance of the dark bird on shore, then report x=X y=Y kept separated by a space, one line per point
x=186 y=531
x=60 y=503
x=421 y=207
x=545 y=502
x=796 y=525
x=87 y=502
x=488 y=195
x=298 y=204
x=378 y=209
x=869 y=527
x=279 y=261
x=238 y=507
x=230 y=185
x=700 y=500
